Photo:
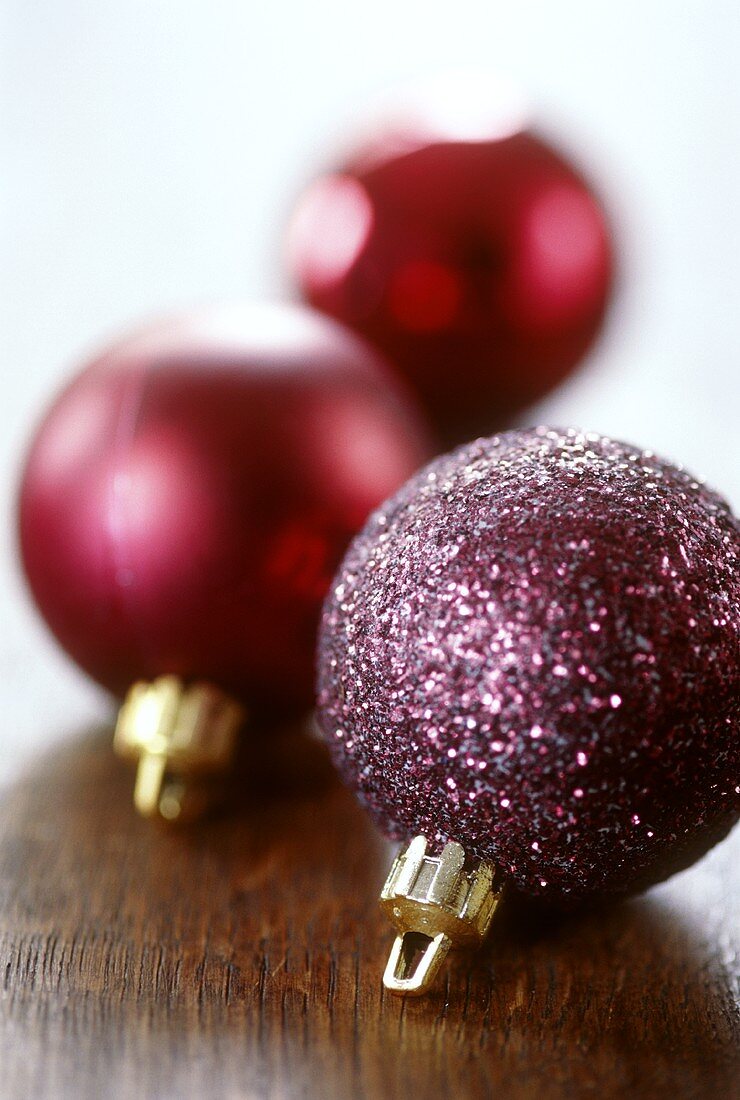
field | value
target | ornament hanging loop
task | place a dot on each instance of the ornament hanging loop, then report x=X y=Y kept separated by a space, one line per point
x=414 y=962
x=436 y=905
x=181 y=736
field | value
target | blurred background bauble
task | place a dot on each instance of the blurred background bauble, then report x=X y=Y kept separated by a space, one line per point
x=188 y=495
x=466 y=247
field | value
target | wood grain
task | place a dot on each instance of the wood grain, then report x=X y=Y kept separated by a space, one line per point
x=243 y=959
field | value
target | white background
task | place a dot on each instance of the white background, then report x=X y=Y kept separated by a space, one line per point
x=150 y=151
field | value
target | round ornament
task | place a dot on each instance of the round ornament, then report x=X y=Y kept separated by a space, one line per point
x=184 y=505
x=531 y=655
x=465 y=247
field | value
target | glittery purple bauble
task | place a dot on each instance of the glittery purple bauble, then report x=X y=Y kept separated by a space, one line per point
x=534 y=649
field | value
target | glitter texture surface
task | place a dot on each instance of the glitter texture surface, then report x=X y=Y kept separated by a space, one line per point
x=534 y=649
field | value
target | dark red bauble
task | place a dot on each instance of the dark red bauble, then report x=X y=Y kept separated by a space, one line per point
x=188 y=496
x=533 y=649
x=481 y=267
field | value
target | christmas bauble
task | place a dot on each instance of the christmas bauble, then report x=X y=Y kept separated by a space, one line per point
x=533 y=649
x=478 y=260
x=188 y=496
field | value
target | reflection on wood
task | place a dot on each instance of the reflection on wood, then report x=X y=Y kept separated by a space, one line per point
x=244 y=957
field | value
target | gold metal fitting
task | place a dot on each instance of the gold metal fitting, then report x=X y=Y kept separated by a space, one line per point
x=179 y=735
x=436 y=905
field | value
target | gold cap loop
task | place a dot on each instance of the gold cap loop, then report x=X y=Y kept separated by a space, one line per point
x=414 y=962
x=179 y=735
x=436 y=905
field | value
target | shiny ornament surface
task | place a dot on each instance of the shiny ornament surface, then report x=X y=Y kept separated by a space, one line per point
x=533 y=649
x=188 y=496
x=479 y=261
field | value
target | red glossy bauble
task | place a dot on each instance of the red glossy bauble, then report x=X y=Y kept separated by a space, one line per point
x=478 y=261
x=189 y=494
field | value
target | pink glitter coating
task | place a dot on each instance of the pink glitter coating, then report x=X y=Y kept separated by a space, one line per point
x=534 y=648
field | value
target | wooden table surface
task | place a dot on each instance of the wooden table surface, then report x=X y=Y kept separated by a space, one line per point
x=243 y=958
